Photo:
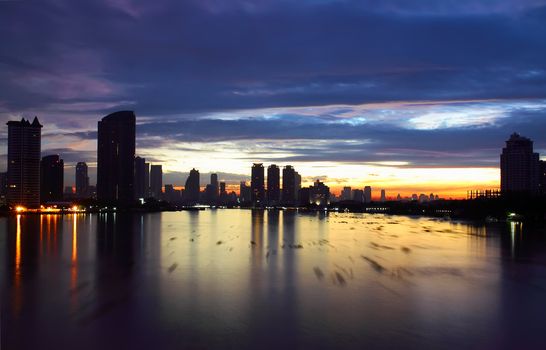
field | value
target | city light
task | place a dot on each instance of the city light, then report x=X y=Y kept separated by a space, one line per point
x=20 y=209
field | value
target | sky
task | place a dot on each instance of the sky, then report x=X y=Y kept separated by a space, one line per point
x=408 y=95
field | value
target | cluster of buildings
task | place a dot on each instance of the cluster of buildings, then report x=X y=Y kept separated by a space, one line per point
x=289 y=194
x=123 y=178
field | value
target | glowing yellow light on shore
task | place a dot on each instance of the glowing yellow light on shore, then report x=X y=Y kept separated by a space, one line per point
x=75 y=208
x=20 y=209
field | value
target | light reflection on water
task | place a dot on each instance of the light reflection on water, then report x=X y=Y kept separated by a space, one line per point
x=270 y=279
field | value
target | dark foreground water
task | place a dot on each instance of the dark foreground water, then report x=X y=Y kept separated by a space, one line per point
x=269 y=280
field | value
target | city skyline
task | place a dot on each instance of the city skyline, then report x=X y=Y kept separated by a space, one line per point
x=127 y=176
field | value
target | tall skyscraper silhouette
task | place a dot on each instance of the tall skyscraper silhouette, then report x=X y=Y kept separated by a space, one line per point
x=141 y=186
x=273 y=184
x=24 y=147
x=214 y=183
x=288 y=185
x=192 y=188
x=297 y=186
x=346 y=194
x=520 y=167
x=147 y=180
x=383 y=196
x=156 y=181
x=245 y=193
x=367 y=194
x=257 y=184
x=51 y=179
x=82 y=180
x=116 y=155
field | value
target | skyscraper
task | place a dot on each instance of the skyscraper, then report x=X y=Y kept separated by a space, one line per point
x=257 y=184
x=273 y=184
x=367 y=194
x=346 y=194
x=214 y=183
x=383 y=196
x=297 y=186
x=192 y=188
x=24 y=146
x=319 y=194
x=82 y=180
x=147 y=179
x=116 y=156
x=3 y=187
x=520 y=167
x=288 y=185
x=140 y=177
x=156 y=181
x=245 y=193
x=358 y=196
x=51 y=179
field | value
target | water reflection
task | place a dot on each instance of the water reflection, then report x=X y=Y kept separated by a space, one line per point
x=269 y=279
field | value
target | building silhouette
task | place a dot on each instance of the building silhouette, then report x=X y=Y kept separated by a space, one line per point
x=156 y=181
x=147 y=191
x=3 y=187
x=288 y=185
x=520 y=167
x=273 y=184
x=192 y=189
x=245 y=193
x=257 y=184
x=297 y=186
x=358 y=196
x=346 y=194
x=82 y=180
x=383 y=196
x=116 y=155
x=24 y=147
x=542 y=177
x=318 y=194
x=214 y=183
x=367 y=194
x=141 y=187
x=51 y=179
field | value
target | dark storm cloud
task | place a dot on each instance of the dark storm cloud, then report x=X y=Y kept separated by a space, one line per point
x=211 y=55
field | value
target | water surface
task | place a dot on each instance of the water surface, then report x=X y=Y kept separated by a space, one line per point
x=247 y=279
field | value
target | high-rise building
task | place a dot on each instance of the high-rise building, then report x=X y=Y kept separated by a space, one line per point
x=24 y=147
x=82 y=180
x=358 y=196
x=288 y=185
x=3 y=187
x=297 y=186
x=367 y=194
x=319 y=193
x=346 y=194
x=116 y=156
x=51 y=179
x=147 y=180
x=245 y=193
x=273 y=184
x=257 y=184
x=140 y=177
x=156 y=181
x=192 y=189
x=542 y=177
x=383 y=196
x=214 y=183
x=520 y=167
